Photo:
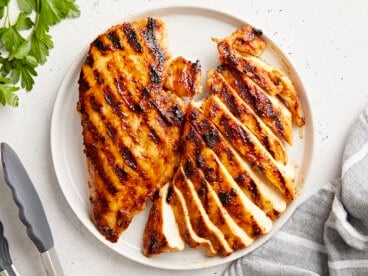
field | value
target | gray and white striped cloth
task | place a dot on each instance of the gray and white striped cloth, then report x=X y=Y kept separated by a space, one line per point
x=327 y=234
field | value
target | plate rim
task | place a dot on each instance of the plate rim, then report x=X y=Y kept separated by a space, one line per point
x=215 y=260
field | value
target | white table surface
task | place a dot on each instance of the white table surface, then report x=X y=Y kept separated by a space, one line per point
x=326 y=41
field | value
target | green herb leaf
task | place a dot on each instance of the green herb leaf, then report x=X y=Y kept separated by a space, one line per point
x=27 y=5
x=23 y=22
x=20 y=56
x=7 y=96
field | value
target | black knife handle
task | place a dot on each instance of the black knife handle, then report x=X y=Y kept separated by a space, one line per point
x=31 y=211
x=5 y=259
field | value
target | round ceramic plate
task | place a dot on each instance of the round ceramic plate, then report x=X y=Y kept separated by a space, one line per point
x=189 y=30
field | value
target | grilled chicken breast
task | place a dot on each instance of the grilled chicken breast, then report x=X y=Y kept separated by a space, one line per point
x=161 y=233
x=245 y=40
x=262 y=193
x=218 y=86
x=131 y=127
x=273 y=81
x=249 y=146
x=184 y=77
x=269 y=109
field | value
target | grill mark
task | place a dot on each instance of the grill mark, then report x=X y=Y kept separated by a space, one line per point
x=99 y=45
x=244 y=181
x=170 y=194
x=261 y=104
x=156 y=72
x=149 y=35
x=111 y=131
x=89 y=60
x=113 y=36
x=154 y=75
x=153 y=135
x=98 y=77
x=121 y=173
x=131 y=36
x=83 y=83
x=126 y=95
x=96 y=106
x=92 y=153
x=128 y=157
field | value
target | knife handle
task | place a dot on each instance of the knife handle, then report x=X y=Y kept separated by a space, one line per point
x=36 y=222
x=5 y=259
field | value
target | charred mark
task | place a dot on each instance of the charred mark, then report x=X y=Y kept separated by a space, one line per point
x=230 y=102
x=188 y=168
x=146 y=93
x=211 y=137
x=226 y=198
x=170 y=194
x=115 y=40
x=83 y=83
x=96 y=106
x=154 y=75
x=99 y=45
x=111 y=131
x=153 y=135
x=109 y=97
x=89 y=60
x=149 y=35
x=177 y=113
x=98 y=76
x=131 y=36
x=120 y=173
x=128 y=157
x=257 y=32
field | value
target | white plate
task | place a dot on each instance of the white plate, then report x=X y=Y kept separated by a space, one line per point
x=190 y=30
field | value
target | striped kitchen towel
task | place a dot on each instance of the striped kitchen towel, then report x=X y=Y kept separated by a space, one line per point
x=327 y=234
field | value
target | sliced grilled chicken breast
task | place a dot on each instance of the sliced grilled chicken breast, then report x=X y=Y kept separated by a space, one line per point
x=184 y=77
x=183 y=218
x=131 y=128
x=218 y=86
x=272 y=112
x=258 y=189
x=273 y=81
x=245 y=40
x=234 y=235
x=249 y=146
x=244 y=212
x=161 y=233
x=199 y=219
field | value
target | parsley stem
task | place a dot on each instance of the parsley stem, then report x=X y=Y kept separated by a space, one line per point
x=6 y=20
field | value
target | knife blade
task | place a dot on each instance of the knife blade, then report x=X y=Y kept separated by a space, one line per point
x=6 y=263
x=31 y=211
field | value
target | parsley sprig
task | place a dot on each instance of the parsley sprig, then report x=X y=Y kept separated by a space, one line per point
x=25 y=43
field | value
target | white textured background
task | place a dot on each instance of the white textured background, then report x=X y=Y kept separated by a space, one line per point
x=327 y=42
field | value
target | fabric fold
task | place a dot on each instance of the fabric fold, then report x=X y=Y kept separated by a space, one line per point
x=328 y=233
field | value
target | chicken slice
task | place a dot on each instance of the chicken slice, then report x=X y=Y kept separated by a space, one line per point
x=244 y=212
x=249 y=146
x=218 y=86
x=234 y=235
x=273 y=81
x=199 y=219
x=161 y=233
x=258 y=189
x=272 y=112
x=245 y=40
x=184 y=77
x=184 y=216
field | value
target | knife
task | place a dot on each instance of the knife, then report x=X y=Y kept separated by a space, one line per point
x=31 y=212
x=6 y=263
